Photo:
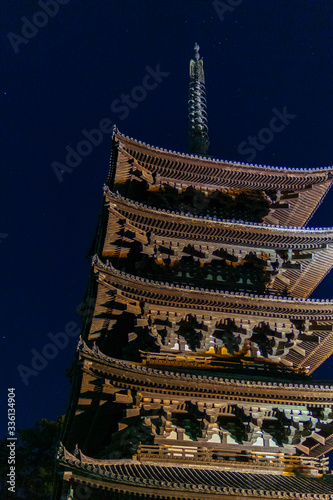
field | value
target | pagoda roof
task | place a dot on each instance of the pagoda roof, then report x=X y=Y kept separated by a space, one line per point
x=194 y=385
x=173 y=226
x=203 y=481
x=316 y=234
x=302 y=188
x=186 y=299
x=320 y=309
x=114 y=376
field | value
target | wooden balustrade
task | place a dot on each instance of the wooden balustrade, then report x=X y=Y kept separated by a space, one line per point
x=244 y=459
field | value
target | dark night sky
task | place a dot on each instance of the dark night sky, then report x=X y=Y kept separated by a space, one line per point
x=264 y=54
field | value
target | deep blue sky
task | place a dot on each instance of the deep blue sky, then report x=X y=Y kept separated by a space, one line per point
x=264 y=54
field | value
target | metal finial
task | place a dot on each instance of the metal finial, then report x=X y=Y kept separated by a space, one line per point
x=197 y=106
x=196 y=51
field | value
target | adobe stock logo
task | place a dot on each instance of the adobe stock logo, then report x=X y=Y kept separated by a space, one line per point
x=55 y=343
x=122 y=106
x=30 y=28
x=222 y=7
x=49 y=351
x=265 y=136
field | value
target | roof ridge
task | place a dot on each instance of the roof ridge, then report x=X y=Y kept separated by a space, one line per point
x=109 y=267
x=289 y=489
x=82 y=347
x=218 y=160
x=117 y=195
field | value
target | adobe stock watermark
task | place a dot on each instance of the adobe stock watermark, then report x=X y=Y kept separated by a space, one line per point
x=222 y=7
x=56 y=342
x=121 y=106
x=3 y=236
x=40 y=19
x=265 y=136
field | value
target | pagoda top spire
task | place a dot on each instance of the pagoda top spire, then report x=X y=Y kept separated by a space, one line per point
x=196 y=51
x=197 y=106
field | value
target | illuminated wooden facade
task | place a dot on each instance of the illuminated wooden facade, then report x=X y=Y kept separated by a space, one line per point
x=192 y=377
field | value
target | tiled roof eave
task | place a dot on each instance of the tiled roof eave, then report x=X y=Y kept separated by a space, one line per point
x=215 y=161
x=92 y=470
x=95 y=353
x=327 y=303
x=311 y=231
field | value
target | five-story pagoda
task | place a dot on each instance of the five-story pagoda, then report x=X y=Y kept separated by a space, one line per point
x=192 y=377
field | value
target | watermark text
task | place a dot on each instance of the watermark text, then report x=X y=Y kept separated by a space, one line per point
x=11 y=441
x=40 y=19
x=265 y=136
x=121 y=106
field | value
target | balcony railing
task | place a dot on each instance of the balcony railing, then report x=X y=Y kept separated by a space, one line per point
x=241 y=459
